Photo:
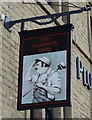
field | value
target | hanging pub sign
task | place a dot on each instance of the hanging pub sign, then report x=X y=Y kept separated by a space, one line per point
x=45 y=68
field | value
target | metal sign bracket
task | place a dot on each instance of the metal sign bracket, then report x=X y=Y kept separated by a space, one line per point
x=8 y=23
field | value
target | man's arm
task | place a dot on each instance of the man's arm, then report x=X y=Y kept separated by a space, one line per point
x=28 y=74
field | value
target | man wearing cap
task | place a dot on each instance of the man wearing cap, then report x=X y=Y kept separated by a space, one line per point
x=47 y=82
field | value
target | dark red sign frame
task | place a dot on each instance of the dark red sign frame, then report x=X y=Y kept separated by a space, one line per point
x=33 y=42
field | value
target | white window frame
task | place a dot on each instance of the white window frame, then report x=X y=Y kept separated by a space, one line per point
x=90 y=32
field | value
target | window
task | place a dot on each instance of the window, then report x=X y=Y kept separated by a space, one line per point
x=56 y=6
x=91 y=26
x=91 y=36
x=90 y=33
x=59 y=7
x=64 y=8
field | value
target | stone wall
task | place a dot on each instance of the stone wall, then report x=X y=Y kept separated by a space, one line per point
x=81 y=96
x=9 y=54
x=9 y=61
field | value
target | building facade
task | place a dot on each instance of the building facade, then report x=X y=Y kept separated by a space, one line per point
x=9 y=57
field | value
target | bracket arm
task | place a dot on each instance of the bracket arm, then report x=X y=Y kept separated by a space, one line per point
x=8 y=23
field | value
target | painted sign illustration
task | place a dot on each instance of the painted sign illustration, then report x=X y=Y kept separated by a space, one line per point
x=45 y=70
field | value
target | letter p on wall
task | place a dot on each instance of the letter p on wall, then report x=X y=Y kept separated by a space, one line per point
x=86 y=76
x=79 y=66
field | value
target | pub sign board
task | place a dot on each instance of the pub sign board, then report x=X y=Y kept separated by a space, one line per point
x=45 y=68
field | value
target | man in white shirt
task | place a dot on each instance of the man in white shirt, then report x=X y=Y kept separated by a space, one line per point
x=47 y=82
